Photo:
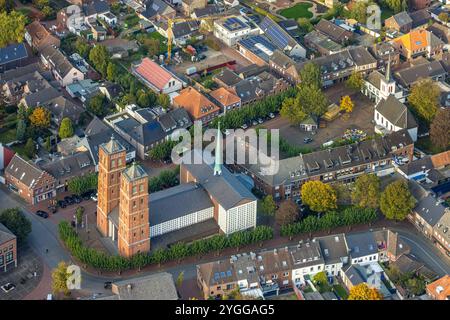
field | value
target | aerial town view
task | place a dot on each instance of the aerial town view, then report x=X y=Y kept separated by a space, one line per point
x=259 y=150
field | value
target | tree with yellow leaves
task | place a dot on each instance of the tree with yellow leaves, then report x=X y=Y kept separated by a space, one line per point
x=320 y=197
x=347 y=104
x=363 y=292
x=40 y=117
x=59 y=277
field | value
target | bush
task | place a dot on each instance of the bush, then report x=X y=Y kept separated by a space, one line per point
x=80 y=185
x=16 y=222
x=333 y=219
x=100 y=260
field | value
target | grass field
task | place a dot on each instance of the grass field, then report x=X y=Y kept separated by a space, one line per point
x=342 y=293
x=300 y=10
x=386 y=13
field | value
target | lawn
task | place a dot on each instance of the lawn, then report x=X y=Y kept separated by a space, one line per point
x=8 y=136
x=386 y=13
x=20 y=149
x=131 y=20
x=341 y=292
x=300 y=10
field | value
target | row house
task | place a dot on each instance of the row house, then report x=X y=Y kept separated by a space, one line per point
x=419 y=42
x=62 y=69
x=8 y=248
x=199 y=107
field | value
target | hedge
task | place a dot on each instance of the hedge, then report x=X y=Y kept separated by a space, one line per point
x=100 y=260
x=332 y=219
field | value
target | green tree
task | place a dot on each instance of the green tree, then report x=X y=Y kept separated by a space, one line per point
x=99 y=57
x=310 y=75
x=59 y=279
x=366 y=192
x=164 y=100
x=66 y=128
x=320 y=197
x=112 y=71
x=355 y=81
x=268 y=206
x=12 y=25
x=16 y=222
x=424 y=99
x=443 y=16
x=30 y=148
x=79 y=212
x=48 y=145
x=305 y=24
x=80 y=184
x=99 y=105
x=292 y=110
x=395 y=5
x=440 y=129
x=82 y=47
x=396 y=201
x=21 y=130
x=6 y=5
x=312 y=100
x=48 y=12
x=359 y=11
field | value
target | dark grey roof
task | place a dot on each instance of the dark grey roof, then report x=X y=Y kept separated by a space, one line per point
x=96 y=7
x=25 y=171
x=226 y=189
x=288 y=24
x=42 y=97
x=145 y=134
x=158 y=286
x=250 y=71
x=440 y=31
x=334 y=248
x=430 y=210
x=354 y=275
x=335 y=32
x=134 y=172
x=5 y=234
x=207 y=11
x=228 y=77
x=61 y=108
x=402 y=18
x=68 y=166
x=185 y=28
x=247 y=90
x=420 y=17
x=282 y=60
x=408 y=76
x=12 y=53
x=96 y=126
x=59 y=61
x=361 y=56
x=176 y=202
x=113 y=89
x=396 y=113
x=361 y=244
x=306 y=254
x=423 y=164
x=19 y=72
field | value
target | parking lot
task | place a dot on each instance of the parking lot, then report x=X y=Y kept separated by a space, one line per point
x=361 y=118
x=25 y=277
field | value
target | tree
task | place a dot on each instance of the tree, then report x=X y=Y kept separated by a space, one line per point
x=310 y=75
x=48 y=144
x=359 y=11
x=16 y=222
x=112 y=71
x=98 y=105
x=163 y=100
x=291 y=110
x=30 y=148
x=312 y=100
x=81 y=184
x=366 y=192
x=12 y=25
x=287 y=213
x=48 y=12
x=82 y=47
x=440 y=129
x=40 y=118
x=268 y=206
x=347 y=104
x=424 y=99
x=180 y=280
x=59 y=279
x=395 y=5
x=320 y=278
x=416 y=286
x=396 y=201
x=79 y=212
x=21 y=130
x=99 y=57
x=355 y=81
x=320 y=197
x=363 y=292
x=305 y=25
x=66 y=128
x=6 y=5
x=443 y=16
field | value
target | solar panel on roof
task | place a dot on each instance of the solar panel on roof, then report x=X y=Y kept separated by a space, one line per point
x=275 y=33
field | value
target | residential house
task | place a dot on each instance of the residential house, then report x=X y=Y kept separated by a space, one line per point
x=188 y=6
x=362 y=248
x=309 y=124
x=199 y=107
x=8 y=247
x=181 y=31
x=334 y=32
x=281 y=39
x=225 y=99
x=420 y=18
x=62 y=69
x=156 y=10
x=442 y=32
x=419 y=42
x=307 y=260
x=68 y=167
x=71 y=18
x=334 y=253
x=257 y=49
x=157 y=77
x=216 y=279
x=39 y=96
x=284 y=66
x=426 y=215
x=423 y=70
x=414 y=5
x=61 y=107
x=371 y=274
x=14 y=56
x=226 y=78
x=385 y=52
x=96 y=9
x=209 y=10
x=38 y=37
x=83 y=90
x=440 y=289
x=230 y=30
x=441 y=233
x=319 y=42
x=28 y=181
x=392 y=115
x=400 y=22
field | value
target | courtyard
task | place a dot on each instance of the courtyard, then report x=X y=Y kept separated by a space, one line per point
x=300 y=10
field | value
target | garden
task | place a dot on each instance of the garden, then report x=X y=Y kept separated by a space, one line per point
x=300 y=10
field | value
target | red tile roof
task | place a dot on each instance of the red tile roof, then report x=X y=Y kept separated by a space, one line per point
x=153 y=73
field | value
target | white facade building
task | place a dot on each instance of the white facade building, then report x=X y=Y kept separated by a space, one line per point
x=231 y=30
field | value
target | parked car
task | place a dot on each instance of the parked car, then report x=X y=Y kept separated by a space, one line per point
x=244 y=126
x=52 y=209
x=87 y=195
x=107 y=285
x=42 y=214
x=69 y=200
x=260 y=120
x=62 y=203
x=77 y=199
x=254 y=123
x=307 y=140
x=94 y=197
x=271 y=115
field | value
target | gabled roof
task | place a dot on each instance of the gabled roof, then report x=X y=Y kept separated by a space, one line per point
x=25 y=171
x=197 y=104
x=59 y=61
x=418 y=40
x=410 y=75
x=361 y=244
x=96 y=7
x=420 y=17
x=68 y=166
x=440 y=31
x=155 y=74
x=401 y=18
x=228 y=77
x=40 y=36
x=430 y=210
x=277 y=35
x=156 y=7
x=61 y=107
x=12 y=53
x=224 y=97
x=5 y=234
x=441 y=159
x=333 y=31
x=396 y=113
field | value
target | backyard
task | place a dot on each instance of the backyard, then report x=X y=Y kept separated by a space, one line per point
x=300 y=10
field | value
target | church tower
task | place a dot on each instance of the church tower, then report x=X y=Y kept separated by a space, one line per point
x=134 y=225
x=111 y=162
